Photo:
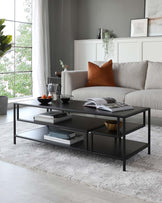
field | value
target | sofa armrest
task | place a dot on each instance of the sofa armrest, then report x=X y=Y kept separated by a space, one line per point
x=71 y=80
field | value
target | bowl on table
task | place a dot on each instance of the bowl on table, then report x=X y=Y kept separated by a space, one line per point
x=44 y=101
x=112 y=125
x=65 y=98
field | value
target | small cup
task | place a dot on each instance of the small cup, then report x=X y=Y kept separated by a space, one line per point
x=65 y=98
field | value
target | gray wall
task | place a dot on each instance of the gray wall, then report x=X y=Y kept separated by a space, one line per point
x=63 y=32
x=80 y=19
x=111 y=14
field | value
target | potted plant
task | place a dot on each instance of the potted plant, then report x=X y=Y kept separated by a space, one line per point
x=5 y=46
x=107 y=36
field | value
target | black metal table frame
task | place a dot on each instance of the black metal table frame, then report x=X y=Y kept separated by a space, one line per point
x=124 y=135
x=91 y=133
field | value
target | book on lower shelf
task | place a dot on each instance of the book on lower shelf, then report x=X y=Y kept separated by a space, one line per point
x=107 y=104
x=63 y=137
x=52 y=117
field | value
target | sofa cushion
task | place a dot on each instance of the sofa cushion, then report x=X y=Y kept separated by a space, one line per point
x=129 y=75
x=101 y=91
x=145 y=98
x=154 y=75
x=100 y=76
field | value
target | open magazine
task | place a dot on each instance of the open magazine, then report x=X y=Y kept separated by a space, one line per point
x=107 y=104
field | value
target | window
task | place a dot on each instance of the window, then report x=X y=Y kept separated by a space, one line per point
x=16 y=65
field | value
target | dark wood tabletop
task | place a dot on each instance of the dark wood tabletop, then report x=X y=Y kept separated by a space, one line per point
x=75 y=106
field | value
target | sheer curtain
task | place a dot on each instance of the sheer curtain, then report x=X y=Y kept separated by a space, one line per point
x=40 y=47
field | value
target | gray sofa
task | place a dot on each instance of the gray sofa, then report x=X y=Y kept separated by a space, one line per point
x=137 y=84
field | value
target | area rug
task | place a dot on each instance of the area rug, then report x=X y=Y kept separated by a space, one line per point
x=143 y=178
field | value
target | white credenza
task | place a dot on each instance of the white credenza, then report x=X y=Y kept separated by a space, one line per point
x=124 y=50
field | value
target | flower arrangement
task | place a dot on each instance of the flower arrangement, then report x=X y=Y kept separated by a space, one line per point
x=64 y=66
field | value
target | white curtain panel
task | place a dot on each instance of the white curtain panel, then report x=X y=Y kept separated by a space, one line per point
x=40 y=47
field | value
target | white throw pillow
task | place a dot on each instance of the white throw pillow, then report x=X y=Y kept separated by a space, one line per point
x=130 y=74
x=154 y=76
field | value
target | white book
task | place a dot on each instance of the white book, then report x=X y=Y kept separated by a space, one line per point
x=52 y=120
x=64 y=141
x=106 y=104
x=51 y=115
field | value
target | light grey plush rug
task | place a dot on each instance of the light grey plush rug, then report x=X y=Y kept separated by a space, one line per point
x=143 y=178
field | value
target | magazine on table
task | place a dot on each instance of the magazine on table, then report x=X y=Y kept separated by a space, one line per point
x=107 y=104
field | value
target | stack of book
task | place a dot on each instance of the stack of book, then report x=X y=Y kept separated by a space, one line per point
x=52 y=117
x=63 y=137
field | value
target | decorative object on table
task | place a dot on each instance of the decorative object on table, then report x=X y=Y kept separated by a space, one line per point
x=65 y=98
x=107 y=39
x=100 y=76
x=112 y=125
x=99 y=36
x=58 y=74
x=153 y=11
x=52 y=90
x=64 y=66
x=44 y=100
x=55 y=80
x=5 y=46
x=139 y=27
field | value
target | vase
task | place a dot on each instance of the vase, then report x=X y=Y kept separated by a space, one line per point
x=65 y=69
x=3 y=105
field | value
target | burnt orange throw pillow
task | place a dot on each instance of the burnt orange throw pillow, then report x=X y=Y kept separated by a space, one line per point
x=100 y=76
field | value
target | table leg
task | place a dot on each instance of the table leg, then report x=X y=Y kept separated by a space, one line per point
x=124 y=146
x=91 y=135
x=144 y=118
x=17 y=111
x=86 y=141
x=14 y=124
x=118 y=134
x=149 y=131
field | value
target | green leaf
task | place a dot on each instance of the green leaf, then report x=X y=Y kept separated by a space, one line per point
x=2 y=21
x=2 y=27
x=7 y=40
x=2 y=38
x=1 y=53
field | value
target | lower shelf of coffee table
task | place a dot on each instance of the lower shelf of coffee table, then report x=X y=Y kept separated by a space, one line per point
x=102 y=145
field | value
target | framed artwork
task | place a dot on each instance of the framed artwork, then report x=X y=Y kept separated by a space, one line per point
x=139 y=27
x=153 y=11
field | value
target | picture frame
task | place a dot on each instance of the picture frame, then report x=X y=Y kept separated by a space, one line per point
x=153 y=11
x=139 y=27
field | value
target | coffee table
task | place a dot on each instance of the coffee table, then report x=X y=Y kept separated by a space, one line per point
x=97 y=139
